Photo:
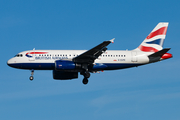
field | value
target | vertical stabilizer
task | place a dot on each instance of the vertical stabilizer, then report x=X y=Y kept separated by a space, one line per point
x=154 y=41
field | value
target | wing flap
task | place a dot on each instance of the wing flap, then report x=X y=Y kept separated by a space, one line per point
x=92 y=54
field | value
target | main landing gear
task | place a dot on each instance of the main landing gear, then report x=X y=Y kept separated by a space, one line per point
x=86 y=75
x=32 y=73
x=85 y=81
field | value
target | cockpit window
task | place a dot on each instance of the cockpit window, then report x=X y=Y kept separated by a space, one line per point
x=18 y=55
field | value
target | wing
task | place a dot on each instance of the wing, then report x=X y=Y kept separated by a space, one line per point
x=89 y=56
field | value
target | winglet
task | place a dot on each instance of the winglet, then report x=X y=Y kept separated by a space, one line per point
x=112 y=40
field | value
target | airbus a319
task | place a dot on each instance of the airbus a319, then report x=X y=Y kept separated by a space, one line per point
x=66 y=64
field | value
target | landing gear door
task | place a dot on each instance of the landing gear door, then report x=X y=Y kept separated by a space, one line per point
x=134 y=56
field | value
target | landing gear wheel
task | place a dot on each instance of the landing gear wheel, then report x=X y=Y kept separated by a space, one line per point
x=31 y=78
x=32 y=73
x=85 y=81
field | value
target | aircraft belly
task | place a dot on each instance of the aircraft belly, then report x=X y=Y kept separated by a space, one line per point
x=113 y=66
x=38 y=66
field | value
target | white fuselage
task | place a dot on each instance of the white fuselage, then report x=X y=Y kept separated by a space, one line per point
x=44 y=59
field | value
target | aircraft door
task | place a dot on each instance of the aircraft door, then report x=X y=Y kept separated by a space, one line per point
x=32 y=58
x=32 y=54
x=134 y=56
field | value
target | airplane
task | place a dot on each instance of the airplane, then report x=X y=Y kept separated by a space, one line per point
x=66 y=64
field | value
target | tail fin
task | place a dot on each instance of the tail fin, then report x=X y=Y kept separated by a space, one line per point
x=154 y=41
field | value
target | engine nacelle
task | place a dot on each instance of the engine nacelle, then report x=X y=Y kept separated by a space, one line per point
x=66 y=65
x=61 y=75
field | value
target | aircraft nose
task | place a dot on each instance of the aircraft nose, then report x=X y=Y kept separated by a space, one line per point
x=13 y=63
x=9 y=62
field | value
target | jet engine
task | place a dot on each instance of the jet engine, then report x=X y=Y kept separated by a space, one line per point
x=61 y=75
x=66 y=65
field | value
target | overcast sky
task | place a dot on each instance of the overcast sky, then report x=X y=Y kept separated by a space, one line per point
x=143 y=93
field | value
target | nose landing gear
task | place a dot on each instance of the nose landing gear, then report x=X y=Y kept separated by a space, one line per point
x=31 y=78
x=32 y=73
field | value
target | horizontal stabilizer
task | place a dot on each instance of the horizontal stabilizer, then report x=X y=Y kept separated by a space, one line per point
x=157 y=56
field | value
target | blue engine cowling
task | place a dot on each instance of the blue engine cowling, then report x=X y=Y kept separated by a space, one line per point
x=66 y=65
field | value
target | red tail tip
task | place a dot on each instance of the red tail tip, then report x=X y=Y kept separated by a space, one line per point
x=166 y=56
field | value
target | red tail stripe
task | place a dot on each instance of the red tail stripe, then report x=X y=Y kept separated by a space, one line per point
x=161 y=31
x=147 y=49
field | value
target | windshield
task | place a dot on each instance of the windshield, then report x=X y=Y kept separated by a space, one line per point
x=18 y=55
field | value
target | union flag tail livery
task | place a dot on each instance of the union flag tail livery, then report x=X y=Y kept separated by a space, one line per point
x=154 y=41
x=66 y=64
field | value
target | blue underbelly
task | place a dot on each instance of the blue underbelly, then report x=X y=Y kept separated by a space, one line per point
x=51 y=66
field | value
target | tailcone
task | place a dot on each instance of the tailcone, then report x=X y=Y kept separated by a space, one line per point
x=166 y=56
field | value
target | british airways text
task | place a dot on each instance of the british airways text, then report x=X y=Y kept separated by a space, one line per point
x=50 y=58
